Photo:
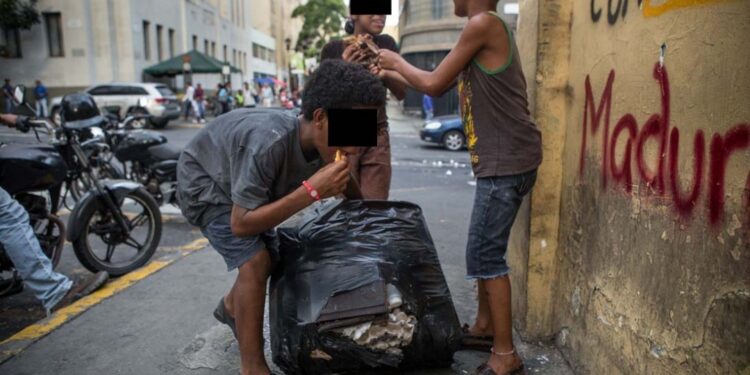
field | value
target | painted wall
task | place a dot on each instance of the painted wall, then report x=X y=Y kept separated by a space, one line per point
x=652 y=270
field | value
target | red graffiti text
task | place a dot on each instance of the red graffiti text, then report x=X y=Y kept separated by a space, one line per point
x=661 y=174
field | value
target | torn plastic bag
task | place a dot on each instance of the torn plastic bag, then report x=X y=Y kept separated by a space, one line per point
x=339 y=268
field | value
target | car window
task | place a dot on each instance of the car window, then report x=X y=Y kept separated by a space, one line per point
x=101 y=90
x=164 y=91
x=134 y=90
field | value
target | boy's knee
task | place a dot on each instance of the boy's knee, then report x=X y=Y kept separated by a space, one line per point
x=257 y=269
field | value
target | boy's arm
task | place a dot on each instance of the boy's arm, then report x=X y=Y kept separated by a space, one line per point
x=329 y=181
x=435 y=83
x=396 y=83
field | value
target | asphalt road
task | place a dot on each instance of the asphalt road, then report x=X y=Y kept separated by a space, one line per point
x=163 y=323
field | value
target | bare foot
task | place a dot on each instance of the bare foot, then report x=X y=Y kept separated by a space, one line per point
x=505 y=364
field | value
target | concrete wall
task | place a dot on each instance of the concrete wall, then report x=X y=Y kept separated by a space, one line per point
x=650 y=272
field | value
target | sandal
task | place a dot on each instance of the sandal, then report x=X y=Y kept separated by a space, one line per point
x=473 y=342
x=222 y=316
x=485 y=369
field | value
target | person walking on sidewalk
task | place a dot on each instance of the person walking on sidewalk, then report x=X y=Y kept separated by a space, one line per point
x=40 y=94
x=188 y=102
x=505 y=148
x=223 y=98
x=372 y=166
x=199 y=97
x=248 y=171
x=8 y=96
x=427 y=107
x=52 y=289
x=267 y=93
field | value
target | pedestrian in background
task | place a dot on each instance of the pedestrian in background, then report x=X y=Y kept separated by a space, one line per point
x=198 y=101
x=256 y=93
x=187 y=101
x=505 y=148
x=40 y=94
x=239 y=99
x=427 y=107
x=267 y=95
x=372 y=166
x=8 y=96
x=223 y=98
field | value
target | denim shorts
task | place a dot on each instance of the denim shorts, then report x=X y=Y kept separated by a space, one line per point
x=496 y=204
x=238 y=250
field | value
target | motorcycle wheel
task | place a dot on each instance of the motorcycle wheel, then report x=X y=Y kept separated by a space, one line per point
x=103 y=247
x=107 y=170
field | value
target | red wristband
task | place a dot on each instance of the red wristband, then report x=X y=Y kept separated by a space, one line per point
x=311 y=191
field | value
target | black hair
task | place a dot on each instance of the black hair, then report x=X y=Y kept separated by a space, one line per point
x=339 y=84
x=349 y=26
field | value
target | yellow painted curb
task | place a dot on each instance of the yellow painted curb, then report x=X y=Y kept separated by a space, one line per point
x=36 y=331
x=17 y=343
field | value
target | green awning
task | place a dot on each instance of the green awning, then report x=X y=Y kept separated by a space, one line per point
x=199 y=63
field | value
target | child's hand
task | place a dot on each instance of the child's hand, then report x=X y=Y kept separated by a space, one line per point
x=377 y=70
x=389 y=59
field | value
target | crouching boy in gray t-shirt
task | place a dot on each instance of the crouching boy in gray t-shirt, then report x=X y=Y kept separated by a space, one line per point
x=250 y=170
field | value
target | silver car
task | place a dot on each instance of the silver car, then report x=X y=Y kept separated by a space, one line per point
x=132 y=98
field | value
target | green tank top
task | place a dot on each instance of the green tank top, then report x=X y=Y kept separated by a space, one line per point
x=501 y=136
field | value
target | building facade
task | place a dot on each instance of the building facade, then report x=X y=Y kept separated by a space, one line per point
x=428 y=31
x=81 y=43
x=632 y=250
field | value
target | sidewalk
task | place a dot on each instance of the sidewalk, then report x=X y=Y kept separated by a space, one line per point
x=164 y=323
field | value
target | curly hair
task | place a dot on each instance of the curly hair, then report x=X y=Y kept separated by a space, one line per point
x=339 y=84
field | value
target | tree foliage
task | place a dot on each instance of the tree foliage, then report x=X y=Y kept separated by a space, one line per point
x=18 y=14
x=323 y=20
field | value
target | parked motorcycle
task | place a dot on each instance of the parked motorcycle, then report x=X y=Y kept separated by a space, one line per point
x=116 y=226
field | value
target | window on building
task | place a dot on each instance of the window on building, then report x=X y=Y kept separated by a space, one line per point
x=12 y=43
x=54 y=34
x=437 y=9
x=234 y=56
x=171 y=43
x=146 y=41
x=256 y=51
x=225 y=53
x=213 y=49
x=195 y=42
x=159 y=49
x=205 y=47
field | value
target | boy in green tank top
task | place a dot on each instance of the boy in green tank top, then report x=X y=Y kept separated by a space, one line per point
x=505 y=148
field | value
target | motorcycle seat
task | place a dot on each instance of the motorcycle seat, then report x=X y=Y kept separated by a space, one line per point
x=164 y=152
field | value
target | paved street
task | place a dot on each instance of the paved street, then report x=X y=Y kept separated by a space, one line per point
x=163 y=323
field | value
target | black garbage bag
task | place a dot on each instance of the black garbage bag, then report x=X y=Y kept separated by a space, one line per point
x=336 y=268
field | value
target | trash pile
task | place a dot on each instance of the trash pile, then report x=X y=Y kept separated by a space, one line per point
x=359 y=286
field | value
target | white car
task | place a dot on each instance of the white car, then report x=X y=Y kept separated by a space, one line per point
x=131 y=98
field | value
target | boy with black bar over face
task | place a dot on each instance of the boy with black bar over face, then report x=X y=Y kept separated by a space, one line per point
x=505 y=148
x=251 y=169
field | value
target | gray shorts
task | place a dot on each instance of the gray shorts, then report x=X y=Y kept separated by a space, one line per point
x=496 y=204
x=237 y=250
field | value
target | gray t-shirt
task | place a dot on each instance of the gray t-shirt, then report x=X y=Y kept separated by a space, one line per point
x=248 y=157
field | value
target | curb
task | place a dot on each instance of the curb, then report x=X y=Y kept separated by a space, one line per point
x=17 y=343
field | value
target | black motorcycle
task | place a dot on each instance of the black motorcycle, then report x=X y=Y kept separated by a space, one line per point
x=142 y=156
x=115 y=227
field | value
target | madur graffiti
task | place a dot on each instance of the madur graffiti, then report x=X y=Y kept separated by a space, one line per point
x=618 y=9
x=661 y=173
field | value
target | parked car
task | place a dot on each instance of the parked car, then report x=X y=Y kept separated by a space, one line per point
x=130 y=99
x=445 y=130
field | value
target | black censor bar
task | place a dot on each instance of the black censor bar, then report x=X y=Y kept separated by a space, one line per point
x=353 y=127
x=379 y=7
